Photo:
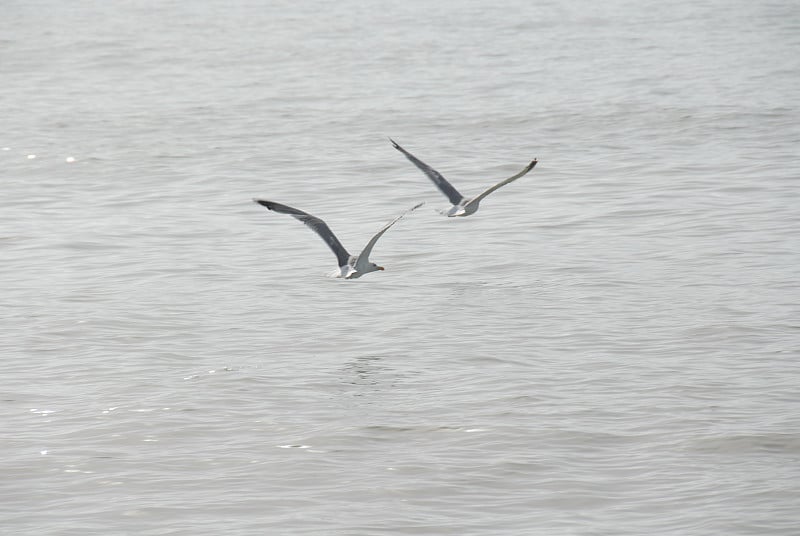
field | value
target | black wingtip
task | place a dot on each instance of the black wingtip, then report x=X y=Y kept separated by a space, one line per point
x=533 y=163
x=263 y=203
x=395 y=144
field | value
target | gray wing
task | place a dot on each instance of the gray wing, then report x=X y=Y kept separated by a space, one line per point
x=363 y=257
x=486 y=192
x=319 y=227
x=446 y=188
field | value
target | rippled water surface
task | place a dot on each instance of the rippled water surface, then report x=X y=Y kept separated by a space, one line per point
x=608 y=347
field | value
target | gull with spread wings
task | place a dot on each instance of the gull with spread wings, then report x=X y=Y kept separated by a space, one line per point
x=350 y=266
x=462 y=206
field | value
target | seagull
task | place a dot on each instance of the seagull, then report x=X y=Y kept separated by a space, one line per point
x=350 y=266
x=461 y=205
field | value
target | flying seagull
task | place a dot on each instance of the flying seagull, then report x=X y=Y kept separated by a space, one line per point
x=350 y=266
x=461 y=205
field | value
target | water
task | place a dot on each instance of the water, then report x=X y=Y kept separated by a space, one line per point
x=609 y=346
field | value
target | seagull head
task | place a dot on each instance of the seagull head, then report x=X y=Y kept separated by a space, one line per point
x=370 y=267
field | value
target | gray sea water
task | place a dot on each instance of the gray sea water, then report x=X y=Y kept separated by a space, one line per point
x=608 y=347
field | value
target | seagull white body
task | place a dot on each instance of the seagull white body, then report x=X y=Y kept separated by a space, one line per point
x=350 y=266
x=462 y=206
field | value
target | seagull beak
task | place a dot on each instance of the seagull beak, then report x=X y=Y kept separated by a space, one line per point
x=380 y=268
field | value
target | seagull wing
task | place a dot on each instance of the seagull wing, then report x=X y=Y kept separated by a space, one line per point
x=446 y=188
x=486 y=192
x=363 y=257
x=319 y=227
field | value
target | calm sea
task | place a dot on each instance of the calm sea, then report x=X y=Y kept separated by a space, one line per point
x=608 y=347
